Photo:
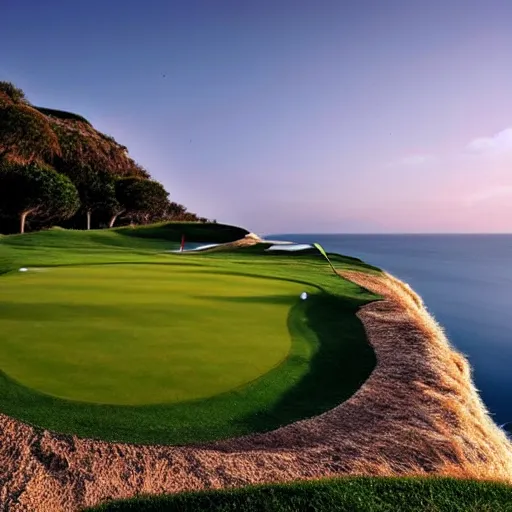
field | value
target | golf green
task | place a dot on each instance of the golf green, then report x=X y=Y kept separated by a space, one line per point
x=141 y=334
x=110 y=336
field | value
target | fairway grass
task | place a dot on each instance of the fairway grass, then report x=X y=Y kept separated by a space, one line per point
x=107 y=336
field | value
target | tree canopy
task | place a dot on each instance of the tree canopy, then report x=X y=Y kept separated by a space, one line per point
x=141 y=199
x=36 y=190
x=97 y=192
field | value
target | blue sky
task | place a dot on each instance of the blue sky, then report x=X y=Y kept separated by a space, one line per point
x=290 y=116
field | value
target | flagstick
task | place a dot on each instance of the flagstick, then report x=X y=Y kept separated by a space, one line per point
x=324 y=254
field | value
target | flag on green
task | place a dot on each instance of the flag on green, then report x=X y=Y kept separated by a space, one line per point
x=324 y=254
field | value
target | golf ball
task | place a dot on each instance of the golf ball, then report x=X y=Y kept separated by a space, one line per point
x=303 y=295
x=23 y=269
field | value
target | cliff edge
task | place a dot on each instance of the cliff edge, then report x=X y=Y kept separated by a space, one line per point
x=417 y=414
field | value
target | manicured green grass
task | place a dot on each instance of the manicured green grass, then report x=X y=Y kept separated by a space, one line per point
x=361 y=494
x=118 y=340
x=147 y=333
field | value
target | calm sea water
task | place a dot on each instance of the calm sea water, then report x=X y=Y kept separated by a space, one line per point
x=465 y=281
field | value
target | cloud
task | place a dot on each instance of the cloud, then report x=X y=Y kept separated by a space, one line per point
x=498 y=143
x=489 y=194
x=412 y=161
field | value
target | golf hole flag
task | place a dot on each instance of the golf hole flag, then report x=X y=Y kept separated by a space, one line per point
x=324 y=254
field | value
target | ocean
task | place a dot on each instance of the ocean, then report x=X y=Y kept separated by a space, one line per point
x=466 y=283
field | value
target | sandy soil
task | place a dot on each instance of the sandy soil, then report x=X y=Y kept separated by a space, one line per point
x=418 y=413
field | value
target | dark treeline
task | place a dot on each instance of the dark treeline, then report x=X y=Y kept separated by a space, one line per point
x=56 y=169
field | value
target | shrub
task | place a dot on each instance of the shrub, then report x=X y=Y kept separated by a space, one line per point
x=15 y=94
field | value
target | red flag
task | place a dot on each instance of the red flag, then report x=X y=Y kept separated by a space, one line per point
x=182 y=243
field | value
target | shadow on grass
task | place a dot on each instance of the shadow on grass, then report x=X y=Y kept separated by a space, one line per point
x=339 y=364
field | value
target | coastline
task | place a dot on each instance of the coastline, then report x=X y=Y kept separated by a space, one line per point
x=417 y=414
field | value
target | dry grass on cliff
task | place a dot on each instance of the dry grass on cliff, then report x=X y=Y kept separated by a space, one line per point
x=441 y=395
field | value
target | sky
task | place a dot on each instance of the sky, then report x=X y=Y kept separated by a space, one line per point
x=290 y=116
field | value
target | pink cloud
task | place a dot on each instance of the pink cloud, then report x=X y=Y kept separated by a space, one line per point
x=489 y=194
x=498 y=143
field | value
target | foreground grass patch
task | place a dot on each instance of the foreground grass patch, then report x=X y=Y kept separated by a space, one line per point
x=110 y=352
x=347 y=494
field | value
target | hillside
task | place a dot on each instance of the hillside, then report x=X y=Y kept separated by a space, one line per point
x=35 y=140
x=31 y=134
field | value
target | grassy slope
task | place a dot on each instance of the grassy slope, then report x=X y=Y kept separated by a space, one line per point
x=193 y=231
x=322 y=369
x=347 y=494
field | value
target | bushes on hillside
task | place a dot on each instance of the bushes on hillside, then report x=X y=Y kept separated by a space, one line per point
x=12 y=93
x=26 y=135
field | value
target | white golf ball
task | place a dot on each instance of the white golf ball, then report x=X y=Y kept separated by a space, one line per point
x=303 y=295
x=23 y=269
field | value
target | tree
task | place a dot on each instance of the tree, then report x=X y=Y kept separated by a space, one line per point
x=98 y=194
x=175 y=211
x=116 y=209
x=36 y=190
x=96 y=190
x=140 y=198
